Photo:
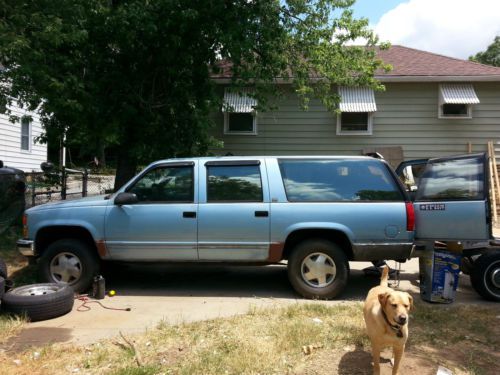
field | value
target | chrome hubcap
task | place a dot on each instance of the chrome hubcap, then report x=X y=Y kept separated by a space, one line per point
x=35 y=290
x=66 y=267
x=318 y=270
x=495 y=278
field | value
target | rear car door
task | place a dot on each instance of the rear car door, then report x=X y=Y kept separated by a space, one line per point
x=452 y=200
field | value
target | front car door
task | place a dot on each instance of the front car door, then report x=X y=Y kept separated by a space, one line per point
x=452 y=200
x=162 y=225
x=233 y=223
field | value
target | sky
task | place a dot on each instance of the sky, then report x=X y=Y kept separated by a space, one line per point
x=455 y=28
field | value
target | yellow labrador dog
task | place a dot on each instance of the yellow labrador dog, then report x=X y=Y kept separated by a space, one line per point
x=386 y=319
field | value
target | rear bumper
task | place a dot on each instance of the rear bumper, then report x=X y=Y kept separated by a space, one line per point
x=26 y=247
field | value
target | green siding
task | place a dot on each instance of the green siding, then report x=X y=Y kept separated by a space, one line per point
x=407 y=116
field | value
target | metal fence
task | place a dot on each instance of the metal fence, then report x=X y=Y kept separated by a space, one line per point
x=64 y=185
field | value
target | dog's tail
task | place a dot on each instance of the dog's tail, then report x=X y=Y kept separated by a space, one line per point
x=384 y=280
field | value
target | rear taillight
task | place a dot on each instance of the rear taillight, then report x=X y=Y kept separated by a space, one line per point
x=410 y=217
x=25 y=226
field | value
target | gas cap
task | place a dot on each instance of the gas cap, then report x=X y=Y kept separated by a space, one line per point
x=391 y=231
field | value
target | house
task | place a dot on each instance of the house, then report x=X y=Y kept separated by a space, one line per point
x=18 y=141
x=433 y=106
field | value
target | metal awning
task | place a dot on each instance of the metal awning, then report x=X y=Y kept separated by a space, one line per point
x=238 y=101
x=357 y=99
x=457 y=94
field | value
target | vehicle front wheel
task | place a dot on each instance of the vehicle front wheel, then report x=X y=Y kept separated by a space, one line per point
x=318 y=269
x=69 y=261
x=485 y=275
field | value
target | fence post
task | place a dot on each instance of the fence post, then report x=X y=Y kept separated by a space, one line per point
x=63 y=183
x=85 y=179
x=33 y=193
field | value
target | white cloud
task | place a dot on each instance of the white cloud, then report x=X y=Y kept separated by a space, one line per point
x=457 y=28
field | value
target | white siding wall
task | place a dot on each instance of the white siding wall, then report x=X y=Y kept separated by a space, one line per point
x=407 y=116
x=10 y=143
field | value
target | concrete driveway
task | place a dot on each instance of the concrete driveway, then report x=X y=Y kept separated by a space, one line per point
x=176 y=294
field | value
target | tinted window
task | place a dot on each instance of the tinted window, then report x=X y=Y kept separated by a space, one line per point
x=338 y=180
x=235 y=183
x=165 y=184
x=457 y=179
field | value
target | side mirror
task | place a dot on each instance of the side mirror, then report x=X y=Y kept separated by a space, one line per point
x=126 y=198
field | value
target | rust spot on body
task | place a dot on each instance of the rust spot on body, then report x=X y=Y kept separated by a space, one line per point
x=276 y=252
x=101 y=248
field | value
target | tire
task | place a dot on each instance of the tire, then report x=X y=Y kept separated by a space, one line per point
x=333 y=269
x=39 y=301
x=485 y=276
x=2 y=287
x=3 y=269
x=69 y=261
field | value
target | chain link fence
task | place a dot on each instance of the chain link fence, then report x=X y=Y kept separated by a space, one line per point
x=65 y=185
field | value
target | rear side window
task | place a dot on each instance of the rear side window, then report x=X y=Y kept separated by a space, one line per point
x=234 y=183
x=338 y=180
x=454 y=179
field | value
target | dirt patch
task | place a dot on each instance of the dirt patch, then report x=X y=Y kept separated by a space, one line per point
x=37 y=336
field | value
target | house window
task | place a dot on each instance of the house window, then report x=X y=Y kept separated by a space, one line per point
x=240 y=123
x=456 y=100
x=239 y=112
x=25 y=134
x=357 y=106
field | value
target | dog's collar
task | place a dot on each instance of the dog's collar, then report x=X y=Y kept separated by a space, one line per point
x=395 y=327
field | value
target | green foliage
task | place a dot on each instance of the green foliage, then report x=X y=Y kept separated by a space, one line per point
x=137 y=73
x=491 y=56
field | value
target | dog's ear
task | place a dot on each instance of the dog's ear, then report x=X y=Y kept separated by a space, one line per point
x=412 y=306
x=382 y=298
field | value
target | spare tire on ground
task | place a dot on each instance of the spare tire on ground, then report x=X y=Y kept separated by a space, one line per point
x=39 y=301
x=3 y=269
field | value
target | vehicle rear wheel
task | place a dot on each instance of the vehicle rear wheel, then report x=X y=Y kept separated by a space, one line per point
x=318 y=269
x=3 y=269
x=69 y=261
x=39 y=301
x=485 y=275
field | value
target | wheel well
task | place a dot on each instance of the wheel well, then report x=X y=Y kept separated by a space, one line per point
x=49 y=235
x=336 y=236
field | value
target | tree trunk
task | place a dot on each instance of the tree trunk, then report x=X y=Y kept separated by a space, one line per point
x=126 y=168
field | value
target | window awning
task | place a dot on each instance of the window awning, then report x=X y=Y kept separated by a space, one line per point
x=457 y=94
x=238 y=101
x=357 y=99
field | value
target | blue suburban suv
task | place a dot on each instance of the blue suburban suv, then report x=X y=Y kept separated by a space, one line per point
x=318 y=213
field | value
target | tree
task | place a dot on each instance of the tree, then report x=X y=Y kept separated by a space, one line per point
x=491 y=56
x=137 y=73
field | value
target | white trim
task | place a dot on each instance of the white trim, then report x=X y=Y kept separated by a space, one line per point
x=369 y=130
x=229 y=132
x=382 y=78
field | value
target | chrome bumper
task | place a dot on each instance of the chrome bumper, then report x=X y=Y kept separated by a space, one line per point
x=26 y=247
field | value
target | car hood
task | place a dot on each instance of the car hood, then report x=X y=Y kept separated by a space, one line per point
x=100 y=200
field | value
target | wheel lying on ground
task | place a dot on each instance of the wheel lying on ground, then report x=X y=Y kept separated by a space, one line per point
x=69 y=261
x=3 y=269
x=2 y=287
x=318 y=269
x=485 y=275
x=39 y=301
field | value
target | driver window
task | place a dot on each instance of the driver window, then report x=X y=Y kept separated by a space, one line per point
x=165 y=184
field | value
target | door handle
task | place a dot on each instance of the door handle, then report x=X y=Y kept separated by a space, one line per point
x=261 y=213
x=189 y=214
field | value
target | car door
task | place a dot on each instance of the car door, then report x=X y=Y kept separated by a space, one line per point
x=233 y=223
x=452 y=201
x=162 y=224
